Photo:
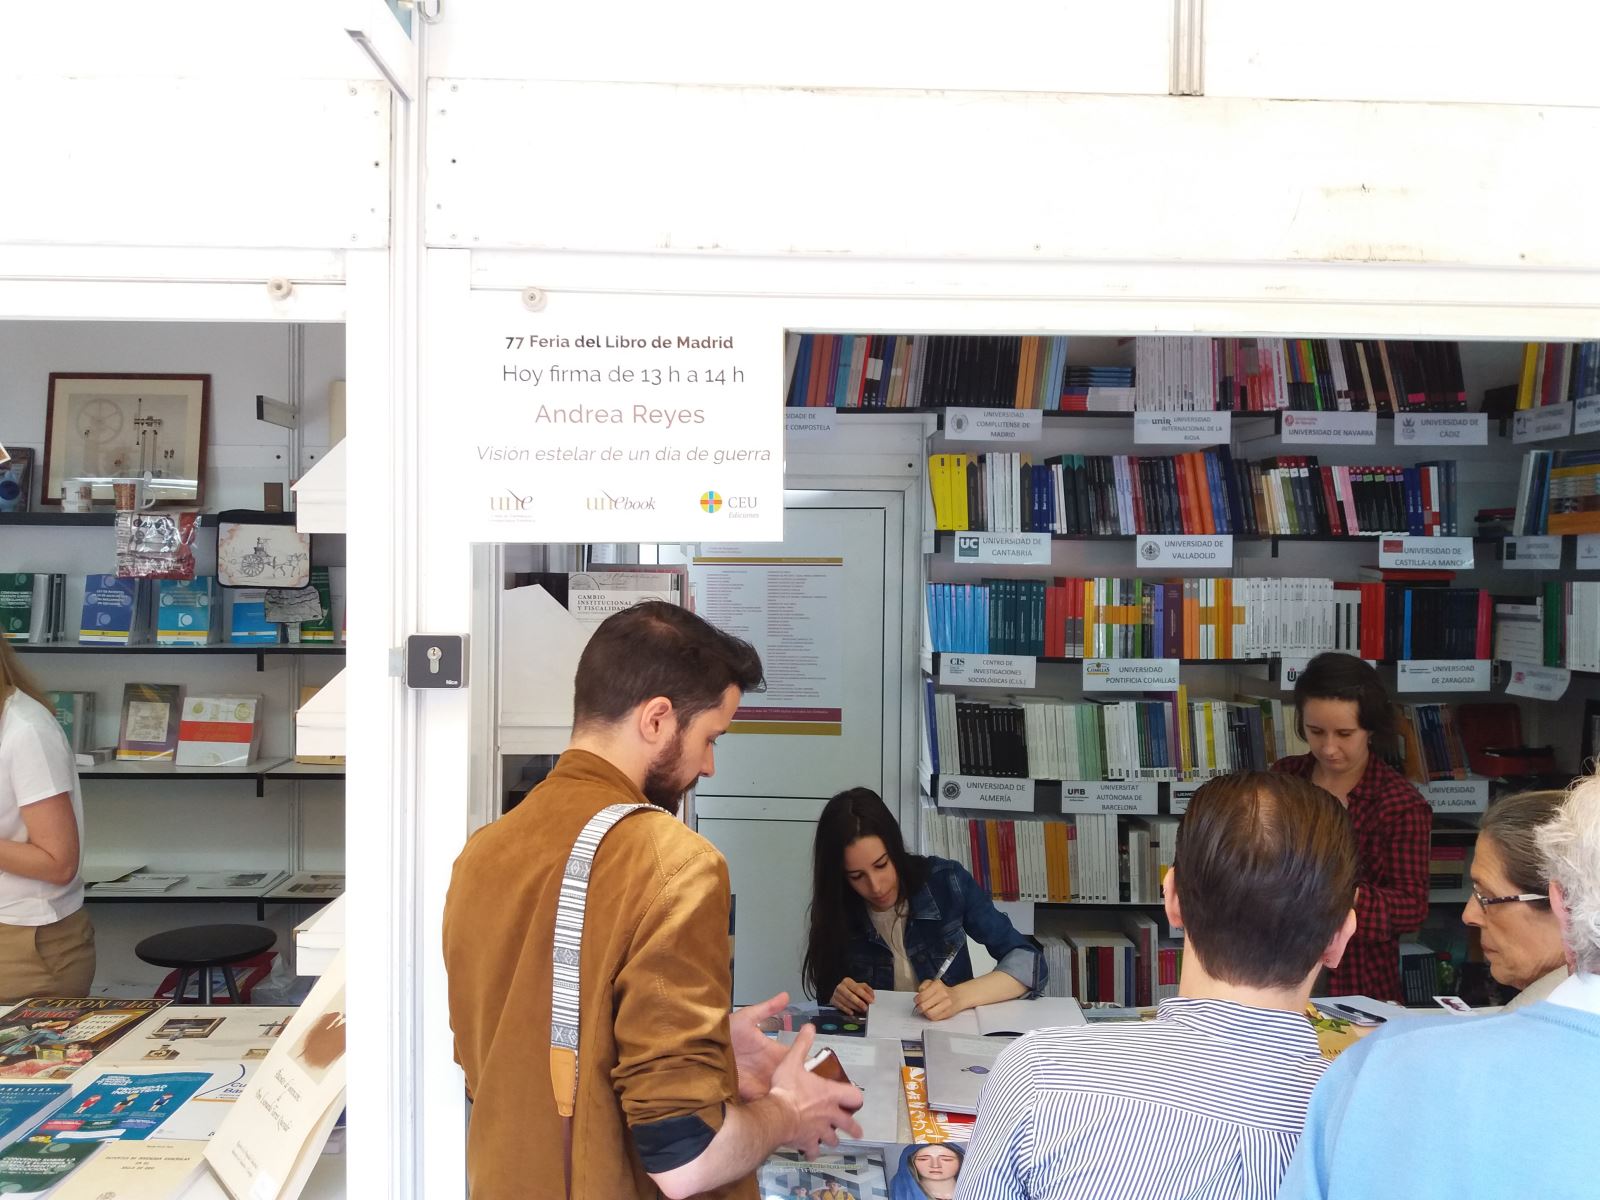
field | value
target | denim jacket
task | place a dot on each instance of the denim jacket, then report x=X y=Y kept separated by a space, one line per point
x=945 y=911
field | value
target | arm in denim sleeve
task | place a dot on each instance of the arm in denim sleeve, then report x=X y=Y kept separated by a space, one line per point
x=1015 y=954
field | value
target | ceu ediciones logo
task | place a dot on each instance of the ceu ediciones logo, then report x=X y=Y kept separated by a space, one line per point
x=711 y=502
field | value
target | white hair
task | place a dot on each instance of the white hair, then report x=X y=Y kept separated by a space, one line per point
x=1571 y=846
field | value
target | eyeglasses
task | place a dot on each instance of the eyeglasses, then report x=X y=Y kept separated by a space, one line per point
x=1486 y=901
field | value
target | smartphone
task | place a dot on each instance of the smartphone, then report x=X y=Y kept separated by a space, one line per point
x=826 y=1064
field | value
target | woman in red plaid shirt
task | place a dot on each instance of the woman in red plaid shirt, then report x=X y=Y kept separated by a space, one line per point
x=1344 y=714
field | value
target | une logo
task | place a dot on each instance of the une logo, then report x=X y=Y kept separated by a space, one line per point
x=1149 y=551
x=711 y=502
x=510 y=502
x=951 y=790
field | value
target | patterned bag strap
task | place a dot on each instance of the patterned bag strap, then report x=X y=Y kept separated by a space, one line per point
x=564 y=995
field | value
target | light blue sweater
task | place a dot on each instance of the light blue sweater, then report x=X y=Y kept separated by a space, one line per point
x=1452 y=1108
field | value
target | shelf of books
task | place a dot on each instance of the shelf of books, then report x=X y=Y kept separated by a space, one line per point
x=1062 y=787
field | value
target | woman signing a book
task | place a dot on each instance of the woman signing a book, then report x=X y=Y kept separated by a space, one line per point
x=1343 y=711
x=46 y=940
x=883 y=918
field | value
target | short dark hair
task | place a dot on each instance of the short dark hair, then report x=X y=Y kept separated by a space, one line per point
x=1334 y=676
x=1266 y=866
x=659 y=649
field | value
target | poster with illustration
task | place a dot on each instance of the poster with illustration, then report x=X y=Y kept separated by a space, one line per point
x=856 y=1174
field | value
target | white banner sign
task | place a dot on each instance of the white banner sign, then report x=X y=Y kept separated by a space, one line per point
x=1441 y=429
x=974 y=791
x=1542 y=424
x=1330 y=429
x=803 y=424
x=608 y=418
x=1015 y=671
x=993 y=424
x=1210 y=551
x=1443 y=675
x=1291 y=666
x=1538 y=683
x=1457 y=795
x=1110 y=795
x=1019 y=549
x=1130 y=674
x=1587 y=418
x=1180 y=794
x=1426 y=553
x=1588 y=552
x=1532 y=553
x=1182 y=428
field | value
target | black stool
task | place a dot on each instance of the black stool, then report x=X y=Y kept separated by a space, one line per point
x=198 y=948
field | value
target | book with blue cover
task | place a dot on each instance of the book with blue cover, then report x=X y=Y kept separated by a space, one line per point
x=113 y=611
x=184 y=610
x=24 y=1105
x=247 y=618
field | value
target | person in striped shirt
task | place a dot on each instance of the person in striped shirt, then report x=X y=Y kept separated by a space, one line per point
x=1207 y=1100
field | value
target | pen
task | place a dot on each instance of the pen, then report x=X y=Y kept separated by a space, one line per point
x=1359 y=1012
x=938 y=975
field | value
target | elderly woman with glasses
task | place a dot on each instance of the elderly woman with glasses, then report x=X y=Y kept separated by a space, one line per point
x=1510 y=903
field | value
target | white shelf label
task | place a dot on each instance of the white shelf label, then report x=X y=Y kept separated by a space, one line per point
x=1542 y=424
x=1457 y=795
x=1426 y=553
x=1182 y=428
x=1020 y=549
x=1538 y=683
x=989 y=670
x=1587 y=418
x=1291 y=666
x=1588 y=552
x=1209 y=551
x=1441 y=429
x=1130 y=674
x=1444 y=675
x=1532 y=553
x=802 y=424
x=975 y=791
x=1180 y=794
x=993 y=424
x=1330 y=429
x=1110 y=796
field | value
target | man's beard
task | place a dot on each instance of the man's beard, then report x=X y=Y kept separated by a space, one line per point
x=664 y=782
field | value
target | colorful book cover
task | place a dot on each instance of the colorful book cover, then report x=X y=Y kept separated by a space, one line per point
x=122 y=1107
x=110 y=611
x=16 y=606
x=247 y=618
x=24 y=1105
x=183 y=611
x=219 y=731
x=50 y=1038
x=320 y=630
x=75 y=714
x=149 y=731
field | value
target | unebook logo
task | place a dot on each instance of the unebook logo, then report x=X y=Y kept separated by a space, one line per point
x=606 y=502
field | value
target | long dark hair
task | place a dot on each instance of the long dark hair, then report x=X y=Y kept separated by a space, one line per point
x=848 y=817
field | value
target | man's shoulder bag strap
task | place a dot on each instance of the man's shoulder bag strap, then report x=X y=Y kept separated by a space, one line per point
x=564 y=994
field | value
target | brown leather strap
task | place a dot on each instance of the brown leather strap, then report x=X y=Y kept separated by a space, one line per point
x=566 y=1154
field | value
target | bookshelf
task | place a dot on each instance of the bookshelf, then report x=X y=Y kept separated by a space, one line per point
x=1485 y=475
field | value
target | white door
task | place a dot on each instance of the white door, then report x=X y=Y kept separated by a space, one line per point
x=823 y=608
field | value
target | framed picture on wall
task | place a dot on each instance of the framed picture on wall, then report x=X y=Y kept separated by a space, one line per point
x=105 y=427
